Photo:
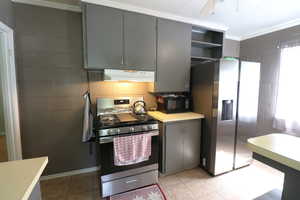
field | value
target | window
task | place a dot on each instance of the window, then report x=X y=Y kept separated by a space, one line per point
x=287 y=116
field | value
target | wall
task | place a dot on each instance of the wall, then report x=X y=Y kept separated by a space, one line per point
x=2 y=123
x=122 y=89
x=51 y=82
x=264 y=49
x=231 y=48
x=6 y=12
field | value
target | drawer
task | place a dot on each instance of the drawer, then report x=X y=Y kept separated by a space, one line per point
x=129 y=183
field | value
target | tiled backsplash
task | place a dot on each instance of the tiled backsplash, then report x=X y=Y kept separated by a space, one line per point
x=122 y=89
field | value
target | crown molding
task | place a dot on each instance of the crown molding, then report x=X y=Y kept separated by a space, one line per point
x=49 y=4
x=272 y=29
x=232 y=37
x=157 y=13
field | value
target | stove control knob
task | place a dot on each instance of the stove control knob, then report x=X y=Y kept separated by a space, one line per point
x=150 y=127
x=131 y=129
x=118 y=130
x=144 y=128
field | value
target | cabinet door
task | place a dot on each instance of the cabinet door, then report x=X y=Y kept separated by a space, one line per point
x=104 y=37
x=191 y=146
x=139 y=41
x=173 y=56
x=174 y=147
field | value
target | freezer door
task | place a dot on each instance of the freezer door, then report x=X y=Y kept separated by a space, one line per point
x=247 y=110
x=226 y=122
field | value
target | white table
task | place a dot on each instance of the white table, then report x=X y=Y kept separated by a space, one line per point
x=280 y=151
x=19 y=180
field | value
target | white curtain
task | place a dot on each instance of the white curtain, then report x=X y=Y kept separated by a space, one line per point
x=287 y=115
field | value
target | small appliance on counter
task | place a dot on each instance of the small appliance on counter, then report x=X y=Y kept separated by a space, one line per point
x=173 y=103
x=125 y=118
x=139 y=108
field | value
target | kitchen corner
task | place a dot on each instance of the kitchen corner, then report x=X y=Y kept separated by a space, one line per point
x=145 y=100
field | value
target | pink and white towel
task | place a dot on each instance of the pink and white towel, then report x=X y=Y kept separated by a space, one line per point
x=133 y=149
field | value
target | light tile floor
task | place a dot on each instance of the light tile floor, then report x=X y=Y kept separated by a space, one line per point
x=244 y=184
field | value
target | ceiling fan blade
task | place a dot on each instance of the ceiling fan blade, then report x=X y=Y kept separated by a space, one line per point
x=208 y=8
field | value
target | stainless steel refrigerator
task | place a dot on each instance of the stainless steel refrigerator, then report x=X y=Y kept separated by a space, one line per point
x=226 y=91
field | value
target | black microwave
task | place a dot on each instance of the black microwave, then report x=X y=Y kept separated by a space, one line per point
x=173 y=104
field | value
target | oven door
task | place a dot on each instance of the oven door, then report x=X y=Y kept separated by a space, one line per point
x=107 y=155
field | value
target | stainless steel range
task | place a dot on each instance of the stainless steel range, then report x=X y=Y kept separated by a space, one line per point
x=116 y=119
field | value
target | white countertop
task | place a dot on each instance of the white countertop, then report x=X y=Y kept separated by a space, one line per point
x=18 y=178
x=282 y=148
x=175 y=117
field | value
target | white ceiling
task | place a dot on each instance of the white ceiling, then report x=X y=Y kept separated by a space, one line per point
x=241 y=18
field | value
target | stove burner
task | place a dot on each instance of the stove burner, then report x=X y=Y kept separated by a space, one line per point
x=109 y=119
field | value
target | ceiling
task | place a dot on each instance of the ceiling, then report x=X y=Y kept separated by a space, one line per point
x=243 y=18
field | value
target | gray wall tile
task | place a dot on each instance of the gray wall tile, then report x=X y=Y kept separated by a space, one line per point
x=51 y=82
x=231 y=48
x=264 y=49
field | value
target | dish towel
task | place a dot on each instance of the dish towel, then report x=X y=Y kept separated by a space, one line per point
x=132 y=149
x=87 y=120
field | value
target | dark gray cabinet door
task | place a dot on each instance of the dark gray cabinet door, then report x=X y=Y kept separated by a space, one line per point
x=104 y=37
x=191 y=144
x=139 y=41
x=173 y=148
x=181 y=145
x=173 y=56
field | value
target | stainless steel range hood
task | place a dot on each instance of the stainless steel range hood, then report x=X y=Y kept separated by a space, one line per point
x=128 y=75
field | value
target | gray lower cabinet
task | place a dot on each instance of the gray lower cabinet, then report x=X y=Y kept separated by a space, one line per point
x=180 y=145
x=140 y=41
x=103 y=36
x=173 y=56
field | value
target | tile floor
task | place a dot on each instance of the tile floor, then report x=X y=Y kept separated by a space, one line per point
x=245 y=184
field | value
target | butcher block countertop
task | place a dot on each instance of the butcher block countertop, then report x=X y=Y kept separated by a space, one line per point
x=175 y=117
x=18 y=178
x=282 y=148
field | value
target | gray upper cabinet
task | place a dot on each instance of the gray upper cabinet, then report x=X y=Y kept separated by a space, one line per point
x=103 y=37
x=173 y=56
x=117 y=39
x=140 y=41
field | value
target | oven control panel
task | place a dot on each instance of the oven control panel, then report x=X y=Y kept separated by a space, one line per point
x=128 y=129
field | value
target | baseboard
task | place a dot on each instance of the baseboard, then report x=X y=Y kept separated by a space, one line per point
x=70 y=173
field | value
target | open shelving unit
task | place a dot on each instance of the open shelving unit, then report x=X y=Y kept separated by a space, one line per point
x=207 y=45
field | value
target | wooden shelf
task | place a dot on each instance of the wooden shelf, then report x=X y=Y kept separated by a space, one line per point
x=203 y=44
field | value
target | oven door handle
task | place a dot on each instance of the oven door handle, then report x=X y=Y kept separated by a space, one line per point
x=104 y=140
x=131 y=181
